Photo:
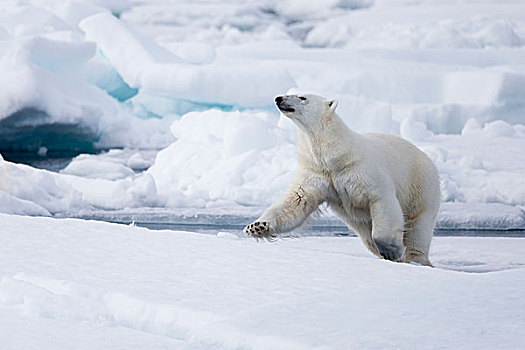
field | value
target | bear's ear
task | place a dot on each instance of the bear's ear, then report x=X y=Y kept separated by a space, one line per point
x=331 y=104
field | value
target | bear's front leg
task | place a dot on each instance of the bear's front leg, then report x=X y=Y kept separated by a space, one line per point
x=388 y=228
x=290 y=211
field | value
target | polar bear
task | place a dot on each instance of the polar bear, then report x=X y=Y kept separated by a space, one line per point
x=380 y=185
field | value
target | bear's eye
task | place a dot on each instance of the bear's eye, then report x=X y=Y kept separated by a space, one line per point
x=302 y=98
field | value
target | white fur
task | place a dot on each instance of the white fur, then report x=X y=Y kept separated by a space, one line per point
x=380 y=185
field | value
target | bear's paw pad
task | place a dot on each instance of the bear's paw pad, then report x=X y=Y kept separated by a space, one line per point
x=388 y=250
x=260 y=229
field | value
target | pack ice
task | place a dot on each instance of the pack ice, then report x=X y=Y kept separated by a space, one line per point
x=179 y=99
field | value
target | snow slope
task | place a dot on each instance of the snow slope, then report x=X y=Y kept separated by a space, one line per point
x=79 y=284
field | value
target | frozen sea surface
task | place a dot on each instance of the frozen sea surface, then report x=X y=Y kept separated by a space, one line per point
x=68 y=283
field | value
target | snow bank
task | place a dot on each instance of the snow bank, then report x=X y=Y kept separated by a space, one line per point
x=109 y=181
x=10 y=204
x=65 y=280
x=241 y=158
x=29 y=191
x=480 y=216
x=91 y=167
x=482 y=165
x=113 y=180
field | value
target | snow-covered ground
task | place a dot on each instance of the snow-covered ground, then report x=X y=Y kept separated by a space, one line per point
x=68 y=283
x=181 y=93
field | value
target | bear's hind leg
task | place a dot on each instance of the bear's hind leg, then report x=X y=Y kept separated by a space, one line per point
x=418 y=237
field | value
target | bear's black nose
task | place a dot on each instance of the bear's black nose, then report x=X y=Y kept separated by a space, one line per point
x=278 y=99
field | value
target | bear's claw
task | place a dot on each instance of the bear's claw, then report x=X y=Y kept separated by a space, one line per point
x=260 y=229
x=388 y=250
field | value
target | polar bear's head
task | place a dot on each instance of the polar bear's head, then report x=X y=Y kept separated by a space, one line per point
x=306 y=111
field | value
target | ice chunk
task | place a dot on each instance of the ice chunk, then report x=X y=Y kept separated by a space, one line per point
x=481 y=216
x=143 y=64
x=71 y=12
x=48 y=100
x=137 y=162
x=229 y=157
x=472 y=87
x=98 y=71
x=10 y=204
x=130 y=52
x=471 y=126
x=139 y=191
x=477 y=167
x=414 y=131
x=499 y=128
x=41 y=96
x=35 y=192
x=89 y=167
x=365 y=115
x=196 y=53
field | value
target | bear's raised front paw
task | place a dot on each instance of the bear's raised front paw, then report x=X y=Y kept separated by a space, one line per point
x=260 y=229
x=389 y=250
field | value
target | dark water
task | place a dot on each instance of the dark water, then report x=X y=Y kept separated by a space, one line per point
x=207 y=222
x=329 y=230
x=53 y=161
x=313 y=231
x=30 y=134
x=324 y=231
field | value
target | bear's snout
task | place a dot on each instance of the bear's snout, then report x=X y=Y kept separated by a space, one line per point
x=284 y=105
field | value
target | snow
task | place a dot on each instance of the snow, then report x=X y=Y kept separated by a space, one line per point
x=224 y=157
x=480 y=216
x=91 y=167
x=178 y=100
x=30 y=191
x=72 y=283
x=168 y=109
